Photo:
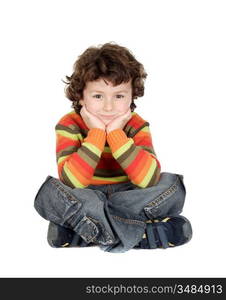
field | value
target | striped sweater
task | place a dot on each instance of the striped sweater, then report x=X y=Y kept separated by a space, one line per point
x=91 y=156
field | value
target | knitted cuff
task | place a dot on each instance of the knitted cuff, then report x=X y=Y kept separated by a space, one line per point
x=97 y=137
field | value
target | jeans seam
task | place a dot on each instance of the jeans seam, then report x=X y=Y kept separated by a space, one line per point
x=109 y=190
x=89 y=237
x=104 y=231
x=69 y=196
x=130 y=221
x=170 y=191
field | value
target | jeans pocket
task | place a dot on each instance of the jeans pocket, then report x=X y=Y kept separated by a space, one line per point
x=170 y=201
x=55 y=202
x=103 y=238
x=87 y=229
x=94 y=231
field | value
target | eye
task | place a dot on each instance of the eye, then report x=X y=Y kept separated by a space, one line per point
x=119 y=96
x=97 y=96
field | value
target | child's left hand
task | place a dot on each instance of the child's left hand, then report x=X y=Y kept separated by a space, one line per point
x=119 y=122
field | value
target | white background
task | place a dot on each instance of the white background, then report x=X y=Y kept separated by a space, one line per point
x=182 y=46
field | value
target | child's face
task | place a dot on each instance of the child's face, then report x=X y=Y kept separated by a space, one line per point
x=106 y=101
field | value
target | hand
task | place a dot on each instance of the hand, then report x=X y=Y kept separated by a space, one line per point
x=119 y=122
x=91 y=120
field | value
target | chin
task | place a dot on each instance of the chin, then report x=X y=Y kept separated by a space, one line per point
x=106 y=122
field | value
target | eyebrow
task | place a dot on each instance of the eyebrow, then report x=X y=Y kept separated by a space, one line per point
x=122 y=91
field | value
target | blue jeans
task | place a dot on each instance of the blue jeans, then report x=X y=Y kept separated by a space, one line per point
x=111 y=215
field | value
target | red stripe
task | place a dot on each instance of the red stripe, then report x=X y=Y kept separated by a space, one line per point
x=143 y=141
x=108 y=164
x=82 y=163
x=136 y=122
x=135 y=162
x=73 y=119
x=66 y=144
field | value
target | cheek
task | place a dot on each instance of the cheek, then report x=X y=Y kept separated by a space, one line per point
x=92 y=107
x=123 y=107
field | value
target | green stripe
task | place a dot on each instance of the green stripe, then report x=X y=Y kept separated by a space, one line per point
x=62 y=158
x=107 y=149
x=149 y=175
x=72 y=136
x=66 y=151
x=123 y=149
x=92 y=148
x=72 y=178
x=145 y=129
x=72 y=128
x=116 y=179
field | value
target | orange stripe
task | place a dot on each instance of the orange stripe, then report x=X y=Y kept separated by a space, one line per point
x=85 y=171
x=136 y=163
x=74 y=171
x=145 y=170
x=144 y=140
x=77 y=174
x=62 y=146
x=142 y=134
x=142 y=137
x=82 y=163
x=60 y=167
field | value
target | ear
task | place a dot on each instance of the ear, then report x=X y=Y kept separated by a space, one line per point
x=81 y=102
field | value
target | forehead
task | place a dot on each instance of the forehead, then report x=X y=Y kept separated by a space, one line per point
x=105 y=86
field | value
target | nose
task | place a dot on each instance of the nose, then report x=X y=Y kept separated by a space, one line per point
x=108 y=105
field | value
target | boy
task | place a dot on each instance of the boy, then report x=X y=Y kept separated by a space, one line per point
x=110 y=191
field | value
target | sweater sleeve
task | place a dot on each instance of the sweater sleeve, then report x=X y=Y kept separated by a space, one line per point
x=77 y=158
x=136 y=156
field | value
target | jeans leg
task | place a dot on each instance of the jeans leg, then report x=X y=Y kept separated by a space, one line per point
x=59 y=236
x=128 y=227
x=165 y=198
x=81 y=210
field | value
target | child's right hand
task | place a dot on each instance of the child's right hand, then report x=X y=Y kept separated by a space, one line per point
x=91 y=120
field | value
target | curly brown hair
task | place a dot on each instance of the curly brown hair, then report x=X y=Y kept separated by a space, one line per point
x=109 y=61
